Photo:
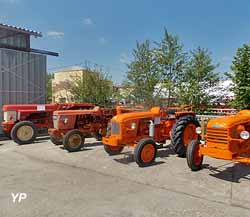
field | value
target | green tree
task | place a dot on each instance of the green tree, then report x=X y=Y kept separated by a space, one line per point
x=241 y=77
x=49 y=78
x=142 y=75
x=95 y=87
x=198 y=79
x=171 y=61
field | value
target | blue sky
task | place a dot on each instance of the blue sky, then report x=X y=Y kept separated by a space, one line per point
x=105 y=31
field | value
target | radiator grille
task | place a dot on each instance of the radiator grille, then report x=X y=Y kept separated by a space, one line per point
x=217 y=135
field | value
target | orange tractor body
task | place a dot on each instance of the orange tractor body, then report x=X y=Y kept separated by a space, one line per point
x=145 y=131
x=71 y=127
x=226 y=138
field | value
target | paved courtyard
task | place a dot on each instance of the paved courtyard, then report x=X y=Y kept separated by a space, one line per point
x=90 y=183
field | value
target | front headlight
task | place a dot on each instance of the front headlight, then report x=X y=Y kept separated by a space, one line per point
x=133 y=126
x=198 y=130
x=244 y=135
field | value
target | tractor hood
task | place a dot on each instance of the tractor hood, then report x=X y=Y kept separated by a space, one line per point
x=30 y=107
x=95 y=111
x=230 y=121
x=155 y=111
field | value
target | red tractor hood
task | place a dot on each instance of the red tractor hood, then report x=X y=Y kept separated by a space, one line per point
x=30 y=107
x=46 y=107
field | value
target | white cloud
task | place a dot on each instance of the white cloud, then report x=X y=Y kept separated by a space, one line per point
x=124 y=58
x=87 y=21
x=102 y=41
x=55 y=34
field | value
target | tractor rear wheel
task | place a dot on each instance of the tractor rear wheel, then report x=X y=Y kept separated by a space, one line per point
x=145 y=152
x=24 y=132
x=183 y=132
x=194 y=158
x=56 y=141
x=113 y=150
x=73 y=141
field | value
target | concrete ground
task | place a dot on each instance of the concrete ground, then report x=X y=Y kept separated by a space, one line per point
x=89 y=183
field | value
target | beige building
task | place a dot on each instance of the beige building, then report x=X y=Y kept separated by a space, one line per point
x=61 y=84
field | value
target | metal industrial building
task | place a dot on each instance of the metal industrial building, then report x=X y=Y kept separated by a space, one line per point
x=22 y=69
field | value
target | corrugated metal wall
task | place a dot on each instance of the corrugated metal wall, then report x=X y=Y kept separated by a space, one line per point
x=8 y=37
x=22 y=78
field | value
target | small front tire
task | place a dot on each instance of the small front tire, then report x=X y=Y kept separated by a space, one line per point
x=113 y=150
x=73 y=141
x=145 y=152
x=56 y=141
x=194 y=158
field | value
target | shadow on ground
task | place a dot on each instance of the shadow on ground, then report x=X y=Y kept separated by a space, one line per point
x=87 y=146
x=128 y=157
x=2 y=138
x=233 y=173
x=93 y=144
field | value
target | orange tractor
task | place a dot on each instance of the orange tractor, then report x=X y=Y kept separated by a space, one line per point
x=147 y=131
x=72 y=127
x=225 y=138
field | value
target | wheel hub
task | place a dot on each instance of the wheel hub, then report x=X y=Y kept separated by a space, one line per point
x=25 y=133
x=75 y=141
x=147 y=153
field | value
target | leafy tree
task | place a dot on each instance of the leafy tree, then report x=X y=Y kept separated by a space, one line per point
x=49 y=78
x=95 y=87
x=143 y=75
x=198 y=79
x=241 y=77
x=171 y=61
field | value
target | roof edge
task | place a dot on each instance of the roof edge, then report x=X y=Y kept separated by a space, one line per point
x=21 y=30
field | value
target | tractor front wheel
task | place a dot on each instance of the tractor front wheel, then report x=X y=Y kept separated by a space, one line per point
x=55 y=140
x=145 y=152
x=73 y=141
x=183 y=132
x=113 y=150
x=24 y=132
x=194 y=158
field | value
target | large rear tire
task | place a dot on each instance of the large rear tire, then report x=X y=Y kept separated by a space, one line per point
x=24 y=132
x=194 y=158
x=113 y=150
x=183 y=132
x=145 y=152
x=73 y=141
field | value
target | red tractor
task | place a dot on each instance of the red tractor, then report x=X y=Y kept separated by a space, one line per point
x=72 y=127
x=23 y=123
